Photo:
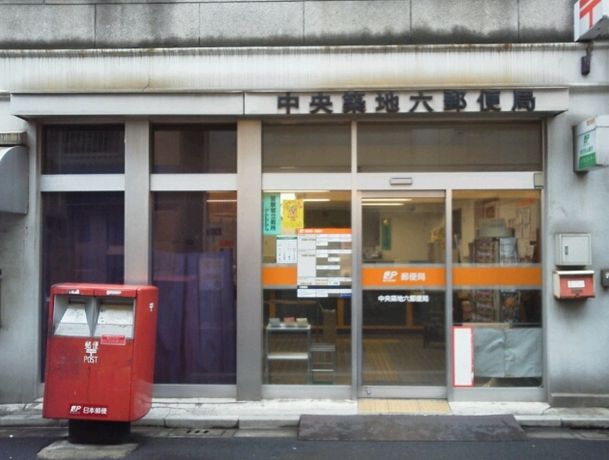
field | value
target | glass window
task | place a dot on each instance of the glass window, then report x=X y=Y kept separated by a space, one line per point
x=193 y=265
x=82 y=240
x=497 y=283
x=476 y=146
x=307 y=287
x=83 y=149
x=306 y=148
x=195 y=149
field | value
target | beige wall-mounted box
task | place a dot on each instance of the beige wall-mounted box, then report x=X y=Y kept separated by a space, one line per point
x=573 y=249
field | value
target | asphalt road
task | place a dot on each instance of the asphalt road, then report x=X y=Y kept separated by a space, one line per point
x=24 y=444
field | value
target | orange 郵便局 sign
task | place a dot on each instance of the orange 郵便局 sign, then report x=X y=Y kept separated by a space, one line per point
x=404 y=276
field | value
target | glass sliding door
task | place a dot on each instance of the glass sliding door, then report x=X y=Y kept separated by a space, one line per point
x=403 y=289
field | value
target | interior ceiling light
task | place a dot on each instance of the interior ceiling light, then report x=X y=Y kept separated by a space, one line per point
x=380 y=203
x=385 y=200
x=297 y=191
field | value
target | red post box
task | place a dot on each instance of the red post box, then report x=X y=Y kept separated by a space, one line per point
x=100 y=352
x=573 y=284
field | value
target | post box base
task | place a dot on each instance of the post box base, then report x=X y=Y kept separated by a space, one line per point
x=96 y=432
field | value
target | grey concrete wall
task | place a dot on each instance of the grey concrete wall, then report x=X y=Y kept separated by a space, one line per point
x=577 y=332
x=43 y=24
x=19 y=313
x=8 y=122
x=19 y=296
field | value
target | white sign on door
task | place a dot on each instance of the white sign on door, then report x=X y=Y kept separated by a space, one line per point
x=463 y=357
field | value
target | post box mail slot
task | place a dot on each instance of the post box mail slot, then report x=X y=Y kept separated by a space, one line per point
x=115 y=318
x=576 y=284
x=100 y=352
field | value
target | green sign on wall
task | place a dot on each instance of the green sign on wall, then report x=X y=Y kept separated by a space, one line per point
x=271 y=214
x=591 y=144
x=586 y=151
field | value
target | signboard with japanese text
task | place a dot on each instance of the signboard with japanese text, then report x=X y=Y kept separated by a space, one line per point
x=590 y=19
x=324 y=262
x=410 y=102
x=87 y=409
x=403 y=277
x=591 y=144
x=271 y=214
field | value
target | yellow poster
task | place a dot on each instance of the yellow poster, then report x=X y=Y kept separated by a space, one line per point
x=293 y=214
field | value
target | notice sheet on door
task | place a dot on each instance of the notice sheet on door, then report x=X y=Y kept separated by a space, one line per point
x=287 y=249
x=324 y=262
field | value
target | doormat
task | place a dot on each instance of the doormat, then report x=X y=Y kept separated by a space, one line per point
x=393 y=427
x=403 y=406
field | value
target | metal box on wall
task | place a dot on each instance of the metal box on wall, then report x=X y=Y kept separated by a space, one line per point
x=100 y=352
x=573 y=249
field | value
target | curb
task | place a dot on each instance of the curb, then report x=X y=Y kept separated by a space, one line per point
x=278 y=421
x=575 y=422
x=30 y=421
x=268 y=422
x=195 y=422
x=529 y=421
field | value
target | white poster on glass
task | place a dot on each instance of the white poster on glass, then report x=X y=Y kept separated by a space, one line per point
x=463 y=356
x=287 y=249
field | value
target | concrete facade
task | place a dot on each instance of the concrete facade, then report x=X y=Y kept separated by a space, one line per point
x=473 y=54
x=131 y=24
x=575 y=331
x=19 y=318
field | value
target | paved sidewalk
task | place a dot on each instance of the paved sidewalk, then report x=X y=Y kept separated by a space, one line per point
x=278 y=413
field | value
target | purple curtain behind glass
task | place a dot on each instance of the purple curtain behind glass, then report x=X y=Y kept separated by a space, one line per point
x=196 y=324
x=83 y=238
x=82 y=242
